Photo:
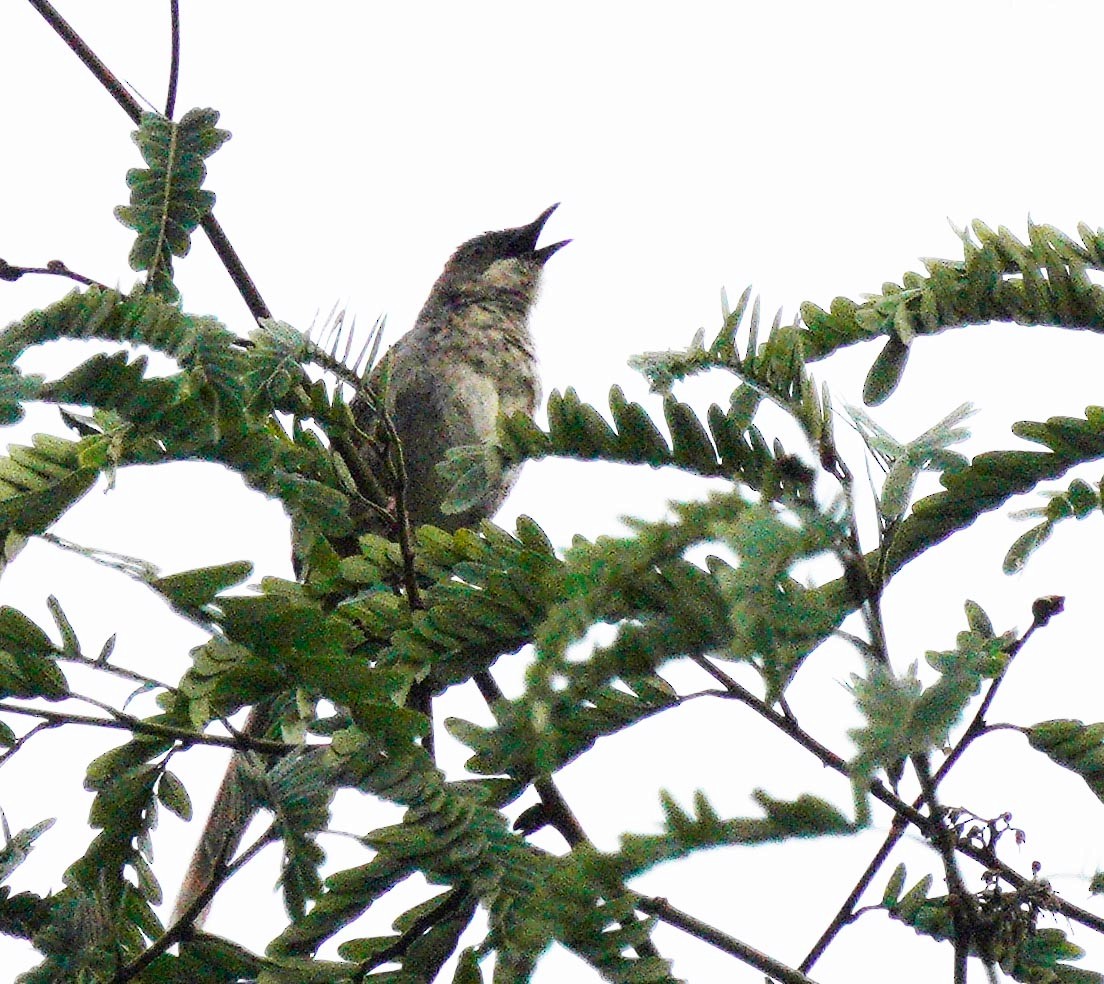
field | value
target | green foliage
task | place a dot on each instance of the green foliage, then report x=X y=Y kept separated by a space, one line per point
x=903 y=463
x=992 y=478
x=903 y=717
x=1044 y=281
x=1073 y=745
x=686 y=833
x=38 y=483
x=1079 y=500
x=724 y=581
x=1008 y=934
x=24 y=913
x=28 y=665
x=167 y=200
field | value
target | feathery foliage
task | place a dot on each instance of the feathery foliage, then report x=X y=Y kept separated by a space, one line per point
x=751 y=578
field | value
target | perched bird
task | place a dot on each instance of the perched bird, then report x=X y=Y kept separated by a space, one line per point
x=443 y=385
x=468 y=358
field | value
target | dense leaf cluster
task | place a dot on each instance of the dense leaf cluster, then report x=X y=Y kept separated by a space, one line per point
x=371 y=620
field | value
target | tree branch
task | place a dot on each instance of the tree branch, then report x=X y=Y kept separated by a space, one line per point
x=124 y=722
x=182 y=929
x=225 y=251
x=174 y=58
x=664 y=911
x=1042 y=611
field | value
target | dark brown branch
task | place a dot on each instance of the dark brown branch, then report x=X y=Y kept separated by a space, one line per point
x=846 y=913
x=559 y=815
x=1042 y=611
x=182 y=929
x=54 y=268
x=663 y=910
x=556 y=811
x=174 y=58
x=878 y=789
x=124 y=722
x=961 y=903
x=233 y=265
x=91 y=61
x=1041 y=614
x=133 y=109
x=417 y=929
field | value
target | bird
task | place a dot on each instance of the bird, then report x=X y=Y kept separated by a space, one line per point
x=468 y=359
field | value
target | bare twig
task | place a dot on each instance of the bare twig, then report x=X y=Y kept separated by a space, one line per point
x=846 y=913
x=174 y=58
x=878 y=789
x=125 y=722
x=961 y=903
x=119 y=671
x=24 y=739
x=54 y=268
x=664 y=911
x=1042 y=611
x=182 y=929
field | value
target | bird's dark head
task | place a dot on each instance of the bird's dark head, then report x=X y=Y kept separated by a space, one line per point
x=504 y=265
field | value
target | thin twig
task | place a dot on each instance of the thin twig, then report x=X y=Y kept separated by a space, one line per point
x=54 y=268
x=878 y=789
x=120 y=671
x=91 y=61
x=556 y=810
x=24 y=739
x=664 y=911
x=977 y=724
x=233 y=265
x=961 y=902
x=402 y=514
x=416 y=930
x=1041 y=615
x=182 y=928
x=174 y=58
x=124 y=722
x=846 y=913
x=225 y=251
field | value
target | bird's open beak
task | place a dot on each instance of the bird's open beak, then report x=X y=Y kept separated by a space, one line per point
x=527 y=236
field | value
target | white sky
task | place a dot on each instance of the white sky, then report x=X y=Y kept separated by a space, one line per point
x=809 y=149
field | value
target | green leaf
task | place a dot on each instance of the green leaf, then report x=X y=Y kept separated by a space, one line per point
x=39 y=483
x=167 y=201
x=17 y=846
x=70 y=645
x=905 y=718
x=896 y=882
x=467 y=969
x=173 y=795
x=1026 y=544
x=886 y=372
x=18 y=634
x=197 y=588
x=1073 y=745
x=29 y=674
x=978 y=621
x=469 y=471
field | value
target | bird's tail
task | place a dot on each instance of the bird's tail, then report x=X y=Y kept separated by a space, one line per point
x=230 y=816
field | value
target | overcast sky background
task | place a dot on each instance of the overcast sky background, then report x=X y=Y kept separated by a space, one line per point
x=809 y=149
